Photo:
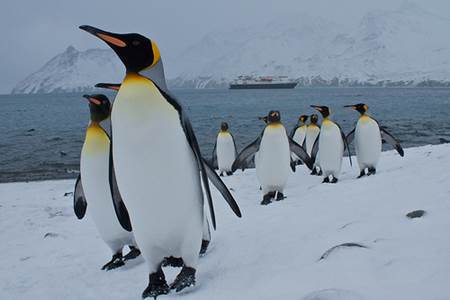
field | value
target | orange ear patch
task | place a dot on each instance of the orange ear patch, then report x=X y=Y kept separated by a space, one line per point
x=95 y=101
x=112 y=40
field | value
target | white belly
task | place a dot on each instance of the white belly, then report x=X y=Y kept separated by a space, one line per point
x=157 y=174
x=273 y=163
x=299 y=137
x=311 y=135
x=367 y=142
x=94 y=178
x=226 y=152
x=331 y=149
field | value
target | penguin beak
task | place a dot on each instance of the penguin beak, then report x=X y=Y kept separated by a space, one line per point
x=109 y=86
x=317 y=107
x=92 y=100
x=351 y=106
x=112 y=39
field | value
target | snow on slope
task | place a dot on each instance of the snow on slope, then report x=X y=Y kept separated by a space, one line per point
x=73 y=71
x=271 y=253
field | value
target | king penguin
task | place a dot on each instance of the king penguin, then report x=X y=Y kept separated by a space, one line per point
x=158 y=165
x=225 y=151
x=329 y=147
x=368 y=136
x=298 y=134
x=93 y=186
x=312 y=134
x=206 y=239
x=274 y=149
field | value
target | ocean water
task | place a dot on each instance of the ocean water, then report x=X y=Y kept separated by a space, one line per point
x=41 y=135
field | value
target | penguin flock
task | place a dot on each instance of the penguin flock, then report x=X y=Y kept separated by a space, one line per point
x=146 y=185
x=320 y=148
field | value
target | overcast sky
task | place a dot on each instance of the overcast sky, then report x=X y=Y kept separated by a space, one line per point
x=32 y=32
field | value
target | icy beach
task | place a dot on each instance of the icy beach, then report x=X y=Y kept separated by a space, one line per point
x=273 y=252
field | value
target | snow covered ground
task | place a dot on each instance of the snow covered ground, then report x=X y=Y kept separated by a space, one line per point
x=273 y=252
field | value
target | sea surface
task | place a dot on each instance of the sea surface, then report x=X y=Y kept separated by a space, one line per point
x=41 y=135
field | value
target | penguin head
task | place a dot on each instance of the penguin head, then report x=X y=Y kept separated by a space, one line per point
x=360 y=107
x=135 y=51
x=273 y=117
x=99 y=106
x=314 y=118
x=324 y=110
x=224 y=126
x=109 y=86
x=264 y=119
x=303 y=119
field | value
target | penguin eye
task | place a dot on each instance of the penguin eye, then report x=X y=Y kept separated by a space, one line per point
x=135 y=43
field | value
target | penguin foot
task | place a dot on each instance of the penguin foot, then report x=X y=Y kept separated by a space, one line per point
x=205 y=244
x=134 y=252
x=176 y=262
x=221 y=174
x=334 y=180
x=280 y=196
x=362 y=173
x=229 y=173
x=185 y=279
x=326 y=180
x=371 y=171
x=157 y=285
x=114 y=263
x=314 y=171
x=267 y=198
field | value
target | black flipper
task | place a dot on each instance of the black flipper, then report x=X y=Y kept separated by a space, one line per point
x=222 y=188
x=292 y=164
x=79 y=200
x=250 y=150
x=391 y=140
x=315 y=149
x=350 y=136
x=214 y=157
x=301 y=153
x=109 y=86
x=292 y=133
x=192 y=140
x=119 y=206
x=235 y=148
x=344 y=139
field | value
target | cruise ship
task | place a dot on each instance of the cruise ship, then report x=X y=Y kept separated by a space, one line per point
x=263 y=82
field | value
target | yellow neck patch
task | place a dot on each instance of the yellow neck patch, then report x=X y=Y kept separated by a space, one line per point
x=224 y=133
x=96 y=139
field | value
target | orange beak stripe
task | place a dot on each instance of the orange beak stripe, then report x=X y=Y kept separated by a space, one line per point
x=112 y=40
x=95 y=101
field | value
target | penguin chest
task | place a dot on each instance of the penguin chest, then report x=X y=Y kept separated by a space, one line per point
x=312 y=132
x=331 y=148
x=299 y=135
x=272 y=168
x=94 y=168
x=367 y=142
x=225 y=151
x=156 y=170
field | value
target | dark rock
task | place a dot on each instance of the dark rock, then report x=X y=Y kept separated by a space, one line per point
x=443 y=141
x=416 y=214
x=62 y=153
x=31 y=130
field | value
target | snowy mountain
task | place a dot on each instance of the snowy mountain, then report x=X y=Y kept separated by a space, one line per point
x=73 y=71
x=405 y=46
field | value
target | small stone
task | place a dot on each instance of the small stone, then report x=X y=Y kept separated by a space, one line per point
x=415 y=214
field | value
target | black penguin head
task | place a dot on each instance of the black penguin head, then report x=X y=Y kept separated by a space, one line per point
x=224 y=126
x=303 y=118
x=273 y=117
x=314 y=118
x=135 y=51
x=360 y=107
x=99 y=106
x=264 y=119
x=109 y=86
x=324 y=110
